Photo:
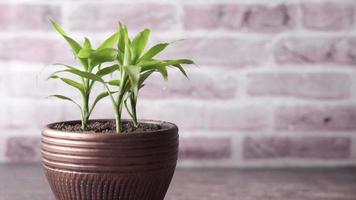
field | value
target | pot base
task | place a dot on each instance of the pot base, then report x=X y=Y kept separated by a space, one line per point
x=70 y=185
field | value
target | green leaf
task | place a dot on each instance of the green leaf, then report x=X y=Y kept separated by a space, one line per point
x=104 y=55
x=175 y=62
x=153 y=51
x=74 y=45
x=114 y=82
x=139 y=43
x=70 y=82
x=87 y=44
x=149 y=63
x=107 y=70
x=180 y=61
x=110 y=42
x=67 y=66
x=66 y=98
x=181 y=69
x=163 y=71
x=144 y=76
x=57 y=27
x=134 y=73
x=87 y=75
x=127 y=54
x=100 y=97
x=123 y=37
x=85 y=53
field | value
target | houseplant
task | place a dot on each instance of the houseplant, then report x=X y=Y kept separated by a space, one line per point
x=114 y=158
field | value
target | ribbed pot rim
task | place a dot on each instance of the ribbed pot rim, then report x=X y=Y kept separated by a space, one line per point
x=48 y=131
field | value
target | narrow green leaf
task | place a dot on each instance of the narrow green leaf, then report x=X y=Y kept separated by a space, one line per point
x=107 y=70
x=121 y=41
x=134 y=73
x=67 y=99
x=114 y=82
x=74 y=45
x=87 y=75
x=127 y=54
x=87 y=44
x=175 y=62
x=163 y=71
x=144 y=76
x=181 y=69
x=153 y=51
x=123 y=38
x=104 y=55
x=139 y=43
x=100 y=97
x=70 y=82
x=181 y=61
x=110 y=42
x=67 y=66
x=149 y=63
x=57 y=27
x=85 y=53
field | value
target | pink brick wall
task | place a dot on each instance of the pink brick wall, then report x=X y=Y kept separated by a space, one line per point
x=275 y=86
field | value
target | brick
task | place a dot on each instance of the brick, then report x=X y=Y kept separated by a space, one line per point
x=265 y=147
x=23 y=149
x=312 y=118
x=211 y=17
x=198 y=148
x=308 y=147
x=255 y=18
x=104 y=17
x=261 y=18
x=35 y=50
x=222 y=52
x=328 y=16
x=28 y=17
x=316 y=51
x=199 y=86
x=307 y=85
x=320 y=147
x=198 y=116
x=229 y=117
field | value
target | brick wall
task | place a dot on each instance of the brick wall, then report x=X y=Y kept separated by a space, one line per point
x=275 y=86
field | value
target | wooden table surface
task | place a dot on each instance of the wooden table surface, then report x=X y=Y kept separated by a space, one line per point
x=26 y=182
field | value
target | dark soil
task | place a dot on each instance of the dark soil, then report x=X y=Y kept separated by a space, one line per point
x=106 y=127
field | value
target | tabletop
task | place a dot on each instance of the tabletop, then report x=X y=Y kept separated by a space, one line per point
x=27 y=182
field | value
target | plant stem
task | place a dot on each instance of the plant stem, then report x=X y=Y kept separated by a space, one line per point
x=116 y=109
x=133 y=110
x=86 y=116
x=118 y=121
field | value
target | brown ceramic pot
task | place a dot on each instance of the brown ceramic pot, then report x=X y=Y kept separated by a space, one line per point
x=136 y=166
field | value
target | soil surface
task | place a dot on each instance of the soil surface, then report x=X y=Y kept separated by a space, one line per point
x=106 y=127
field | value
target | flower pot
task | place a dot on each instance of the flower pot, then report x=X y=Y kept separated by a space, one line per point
x=131 y=166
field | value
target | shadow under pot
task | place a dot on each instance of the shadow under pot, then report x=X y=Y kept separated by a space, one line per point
x=110 y=166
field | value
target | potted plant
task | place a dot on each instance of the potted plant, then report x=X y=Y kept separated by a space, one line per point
x=111 y=158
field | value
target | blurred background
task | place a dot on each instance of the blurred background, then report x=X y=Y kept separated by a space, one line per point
x=275 y=84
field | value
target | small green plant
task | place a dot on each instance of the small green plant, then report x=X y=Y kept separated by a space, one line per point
x=104 y=53
x=130 y=66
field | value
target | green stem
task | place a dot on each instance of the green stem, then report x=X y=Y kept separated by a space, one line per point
x=133 y=110
x=86 y=115
x=117 y=111
x=128 y=110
